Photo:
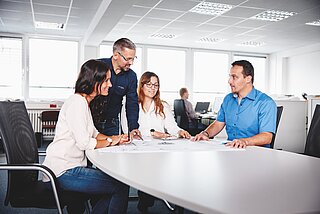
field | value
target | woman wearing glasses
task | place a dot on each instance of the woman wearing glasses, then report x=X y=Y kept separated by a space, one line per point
x=155 y=119
x=155 y=116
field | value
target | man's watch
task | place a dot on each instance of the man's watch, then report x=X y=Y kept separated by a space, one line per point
x=152 y=132
x=205 y=133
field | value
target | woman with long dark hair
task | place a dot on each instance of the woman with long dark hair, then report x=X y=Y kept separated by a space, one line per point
x=76 y=133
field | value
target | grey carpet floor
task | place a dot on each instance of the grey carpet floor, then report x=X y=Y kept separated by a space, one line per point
x=158 y=208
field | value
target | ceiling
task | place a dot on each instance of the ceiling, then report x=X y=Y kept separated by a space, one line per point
x=94 y=21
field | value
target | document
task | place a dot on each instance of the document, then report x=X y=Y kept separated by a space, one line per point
x=163 y=145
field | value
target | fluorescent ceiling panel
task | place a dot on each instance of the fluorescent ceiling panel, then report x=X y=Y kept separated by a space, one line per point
x=210 y=8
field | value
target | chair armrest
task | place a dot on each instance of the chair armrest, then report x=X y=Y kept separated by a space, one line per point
x=42 y=153
x=47 y=171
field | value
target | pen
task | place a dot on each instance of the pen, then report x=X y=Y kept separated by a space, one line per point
x=128 y=135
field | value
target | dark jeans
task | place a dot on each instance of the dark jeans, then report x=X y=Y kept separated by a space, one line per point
x=108 y=127
x=114 y=194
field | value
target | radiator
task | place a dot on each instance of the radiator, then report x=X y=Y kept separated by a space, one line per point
x=35 y=115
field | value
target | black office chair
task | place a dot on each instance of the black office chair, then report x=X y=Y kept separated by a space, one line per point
x=180 y=114
x=312 y=147
x=182 y=120
x=20 y=146
x=279 y=113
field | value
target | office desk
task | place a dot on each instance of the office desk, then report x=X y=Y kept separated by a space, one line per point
x=257 y=180
x=207 y=118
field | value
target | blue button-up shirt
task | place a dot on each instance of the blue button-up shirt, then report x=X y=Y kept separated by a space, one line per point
x=255 y=114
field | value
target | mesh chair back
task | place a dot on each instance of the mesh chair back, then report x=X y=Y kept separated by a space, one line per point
x=279 y=113
x=20 y=146
x=180 y=114
x=313 y=138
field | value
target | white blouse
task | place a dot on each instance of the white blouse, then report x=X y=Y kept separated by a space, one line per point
x=75 y=133
x=150 y=120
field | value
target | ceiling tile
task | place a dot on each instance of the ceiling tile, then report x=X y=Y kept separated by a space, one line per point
x=234 y=30
x=149 y=3
x=15 y=6
x=209 y=27
x=195 y=17
x=153 y=22
x=129 y=19
x=138 y=11
x=180 y=5
x=225 y=20
x=164 y=14
x=50 y=18
x=50 y=10
x=183 y=25
x=243 y=12
x=52 y=2
x=251 y=23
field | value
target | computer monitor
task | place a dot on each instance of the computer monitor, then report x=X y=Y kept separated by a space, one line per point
x=202 y=107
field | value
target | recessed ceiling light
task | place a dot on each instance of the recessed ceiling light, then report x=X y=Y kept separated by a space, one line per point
x=210 y=40
x=162 y=36
x=210 y=8
x=252 y=44
x=49 y=25
x=314 y=23
x=273 y=15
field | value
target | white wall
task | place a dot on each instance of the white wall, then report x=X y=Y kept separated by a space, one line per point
x=295 y=71
x=303 y=73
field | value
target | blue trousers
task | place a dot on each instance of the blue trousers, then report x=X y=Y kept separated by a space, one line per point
x=114 y=194
x=109 y=127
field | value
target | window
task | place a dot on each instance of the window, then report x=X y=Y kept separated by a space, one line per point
x=11 y=68
x=106 y=52
x=53 y=68
x=170 y=66
x=259 y=65
x=210 y=74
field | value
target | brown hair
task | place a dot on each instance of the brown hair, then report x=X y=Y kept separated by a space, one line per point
x=182 y=91
x=144 y=79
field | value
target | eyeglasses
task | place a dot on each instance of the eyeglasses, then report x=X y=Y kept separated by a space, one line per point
x=150 y=85
x=127 y=59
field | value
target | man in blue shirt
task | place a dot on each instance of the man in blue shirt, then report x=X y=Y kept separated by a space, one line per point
x=106 y=110
x=248 y=114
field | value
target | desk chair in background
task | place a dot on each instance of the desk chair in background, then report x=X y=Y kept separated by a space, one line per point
x=279 y=113
x=20 y=146
x=48 y=121
x=182 y=120
x=312 y=147
x=180 y=114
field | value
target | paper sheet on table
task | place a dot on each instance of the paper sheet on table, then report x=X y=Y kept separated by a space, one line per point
x=154 y=145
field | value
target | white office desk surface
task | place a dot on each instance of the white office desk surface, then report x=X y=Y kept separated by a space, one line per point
x=257 y=180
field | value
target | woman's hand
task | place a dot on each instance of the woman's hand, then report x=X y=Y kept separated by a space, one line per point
x=184 y=134
x=119 y=139
x=160 y=135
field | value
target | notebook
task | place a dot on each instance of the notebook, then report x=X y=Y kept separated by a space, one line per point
x=202 y=107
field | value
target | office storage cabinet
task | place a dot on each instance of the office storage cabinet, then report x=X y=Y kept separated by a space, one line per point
x=292 y=130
